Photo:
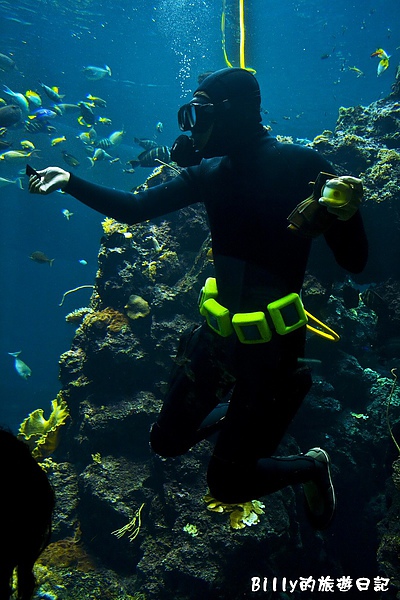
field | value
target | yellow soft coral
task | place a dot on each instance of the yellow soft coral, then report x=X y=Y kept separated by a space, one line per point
x=111 y=226
x=108 y=318
x=240 y=514
x=43 y=435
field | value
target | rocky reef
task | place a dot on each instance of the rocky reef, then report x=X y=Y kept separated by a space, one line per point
x=132 y=525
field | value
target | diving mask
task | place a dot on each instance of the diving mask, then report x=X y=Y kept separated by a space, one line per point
x=196 y=115
x=199 y=114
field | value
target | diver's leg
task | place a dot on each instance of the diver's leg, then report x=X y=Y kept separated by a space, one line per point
x=262 y=406
x=255 y=423
x=198 y=383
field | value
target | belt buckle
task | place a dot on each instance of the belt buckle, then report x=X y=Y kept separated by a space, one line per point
x=251 y=328
x=276 y=309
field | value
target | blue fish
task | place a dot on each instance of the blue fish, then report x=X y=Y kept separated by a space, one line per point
x=43 y=114
x=22 y=369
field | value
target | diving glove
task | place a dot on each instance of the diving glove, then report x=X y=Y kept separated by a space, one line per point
x=332 y=198
x=184 y=153
x=342 y=196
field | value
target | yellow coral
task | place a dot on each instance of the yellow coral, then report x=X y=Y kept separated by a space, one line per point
x=137 y=307
x=109 y=318
x=43 y=435
x=112 y=226
x=240 y=514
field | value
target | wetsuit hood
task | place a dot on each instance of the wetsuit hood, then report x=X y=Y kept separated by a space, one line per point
x=236 y=96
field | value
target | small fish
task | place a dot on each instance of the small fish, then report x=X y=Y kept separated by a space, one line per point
x=159 y=127
x=16 y=155
x=374 y=301
x=145 y=143
x=4 y=182
x=358 y=72
x=384 y=60
x=52 y=93
x=104 y=143
x=70 y=159
x=39 y=126
x=152 y=157
x=87 y=113
x=104 y=121
x=22 y=369
x=41 y=258
x=82 y=261
x=116 y=137
x=6 y=63
x=27 y=145
x=97 y=101
x=58 y=140
x=19 y=99
x=86 y=137
x=63 y=108
x=100 y=154
x=96 y=73
x=67 y=214
x=43 y=114
x=33 y=98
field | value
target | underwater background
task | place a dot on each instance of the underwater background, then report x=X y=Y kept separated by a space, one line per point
x=301 y=51
x=311 y=60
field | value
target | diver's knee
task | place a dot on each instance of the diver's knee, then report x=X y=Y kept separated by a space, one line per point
x=227 y=482
x=166 y=445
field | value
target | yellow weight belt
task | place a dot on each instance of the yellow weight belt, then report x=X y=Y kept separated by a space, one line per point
x=286 y=315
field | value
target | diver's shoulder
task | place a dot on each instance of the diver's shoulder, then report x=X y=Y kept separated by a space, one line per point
x=300 y=153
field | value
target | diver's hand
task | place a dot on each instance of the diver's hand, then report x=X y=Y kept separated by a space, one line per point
x=342 y=196
x=184 y=153
x=48 y=180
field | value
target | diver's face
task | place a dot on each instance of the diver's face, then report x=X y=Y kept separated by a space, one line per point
x=200 y=139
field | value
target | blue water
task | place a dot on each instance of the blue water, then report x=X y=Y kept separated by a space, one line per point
x=301 y=50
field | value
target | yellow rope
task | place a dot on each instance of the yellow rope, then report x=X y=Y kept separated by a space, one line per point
x=242 y=34
x=242 y=60
x=325 y=331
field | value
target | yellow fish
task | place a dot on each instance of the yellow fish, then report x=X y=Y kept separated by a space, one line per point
x=384 y=60
x=27 y=145
x=97 y=101
x=16 y=155
x=104 y=121
x=58 y=140
x=358 y=72
x=33 y=98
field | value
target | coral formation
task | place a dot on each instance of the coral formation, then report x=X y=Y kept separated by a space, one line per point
x=42 y=435
x=137 y=307
x=109 y=319
x=240 y=514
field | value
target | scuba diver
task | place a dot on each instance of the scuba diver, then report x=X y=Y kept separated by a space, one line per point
x=27 y=508
x=262 y=218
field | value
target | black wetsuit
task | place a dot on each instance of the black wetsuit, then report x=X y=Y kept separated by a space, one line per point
x=248 y=197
